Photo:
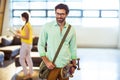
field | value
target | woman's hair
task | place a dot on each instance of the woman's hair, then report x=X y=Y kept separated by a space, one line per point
x=62 y=6
x=26 y=16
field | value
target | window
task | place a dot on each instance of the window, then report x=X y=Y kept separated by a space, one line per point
x=89 y=13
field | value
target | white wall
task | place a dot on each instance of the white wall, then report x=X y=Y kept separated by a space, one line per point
x=119 y=27
x=93 y=37
x=97 y=37
x=86 y=37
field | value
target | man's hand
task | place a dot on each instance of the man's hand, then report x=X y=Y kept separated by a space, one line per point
x=50 y=65
x=72 y=69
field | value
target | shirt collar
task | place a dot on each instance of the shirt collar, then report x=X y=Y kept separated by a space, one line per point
x=56 y=25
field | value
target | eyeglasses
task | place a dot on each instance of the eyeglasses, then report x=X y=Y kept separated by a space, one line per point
x=60 y=14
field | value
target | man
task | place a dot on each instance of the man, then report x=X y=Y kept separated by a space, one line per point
x=52 y=34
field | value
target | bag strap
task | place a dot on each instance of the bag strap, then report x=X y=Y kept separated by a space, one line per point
x=63 y=39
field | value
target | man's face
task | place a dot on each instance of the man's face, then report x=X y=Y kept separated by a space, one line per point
x=60 y=15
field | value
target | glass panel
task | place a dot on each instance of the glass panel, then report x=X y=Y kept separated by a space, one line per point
x=38 y=21
x=17 y=21
x=109 y=14
x=39 y=0
x=20 y=0
x=111 y=4
x=38 y=13
x=73 y=0
x=90 y=4
x=91 y=13
x=55 y=0
x=18 y=13
x=100 y=4
x=30 y=0
x=51 y=5
x=100 y=22
x=74 y=5
x=20 y=5
x=75 y=13
x=37 y=5
x=51 y=13
x=74 y=21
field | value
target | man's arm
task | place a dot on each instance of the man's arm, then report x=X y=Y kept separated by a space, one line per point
x=41 y=48
x=73 y=46
x=42 y=43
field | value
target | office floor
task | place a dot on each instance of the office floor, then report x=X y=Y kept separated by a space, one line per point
x=99 y=64
x=95 y=64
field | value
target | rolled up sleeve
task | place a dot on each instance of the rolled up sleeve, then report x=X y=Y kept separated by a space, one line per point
x=42 y=43
x=73 y=46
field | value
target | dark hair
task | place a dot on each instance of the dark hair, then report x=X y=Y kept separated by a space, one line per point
x=62 y=6
x=26 y=16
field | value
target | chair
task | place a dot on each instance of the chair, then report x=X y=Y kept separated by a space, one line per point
x=1 y=58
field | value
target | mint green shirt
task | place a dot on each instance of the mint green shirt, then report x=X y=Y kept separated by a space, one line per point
x=52 y=35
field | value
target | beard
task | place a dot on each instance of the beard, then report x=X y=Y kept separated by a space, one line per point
x=60 y=20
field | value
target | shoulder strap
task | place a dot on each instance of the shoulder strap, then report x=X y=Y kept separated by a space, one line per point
x=63 y=39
